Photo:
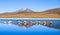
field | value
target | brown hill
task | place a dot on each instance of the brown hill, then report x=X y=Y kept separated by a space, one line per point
x=27 y=13
x=53 y=11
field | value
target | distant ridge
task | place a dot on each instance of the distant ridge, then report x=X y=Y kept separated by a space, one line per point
x=53 y=11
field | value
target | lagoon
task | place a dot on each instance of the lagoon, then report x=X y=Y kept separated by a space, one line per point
x=12 y=29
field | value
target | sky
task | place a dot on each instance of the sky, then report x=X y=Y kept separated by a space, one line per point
x=35 y=5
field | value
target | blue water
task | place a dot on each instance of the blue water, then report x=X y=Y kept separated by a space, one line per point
x=11 y=29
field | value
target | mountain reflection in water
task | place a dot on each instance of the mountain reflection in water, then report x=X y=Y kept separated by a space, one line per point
x=27 y=24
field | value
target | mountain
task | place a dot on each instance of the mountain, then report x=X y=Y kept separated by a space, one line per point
x=24 y=10
x=53 y=11
x=28 y=13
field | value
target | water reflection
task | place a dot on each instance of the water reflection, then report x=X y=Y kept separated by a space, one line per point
x=27 y=24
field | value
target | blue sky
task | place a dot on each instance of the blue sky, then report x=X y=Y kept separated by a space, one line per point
x=36 y=5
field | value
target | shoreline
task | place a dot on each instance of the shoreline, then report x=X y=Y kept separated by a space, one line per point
x=32 y=18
